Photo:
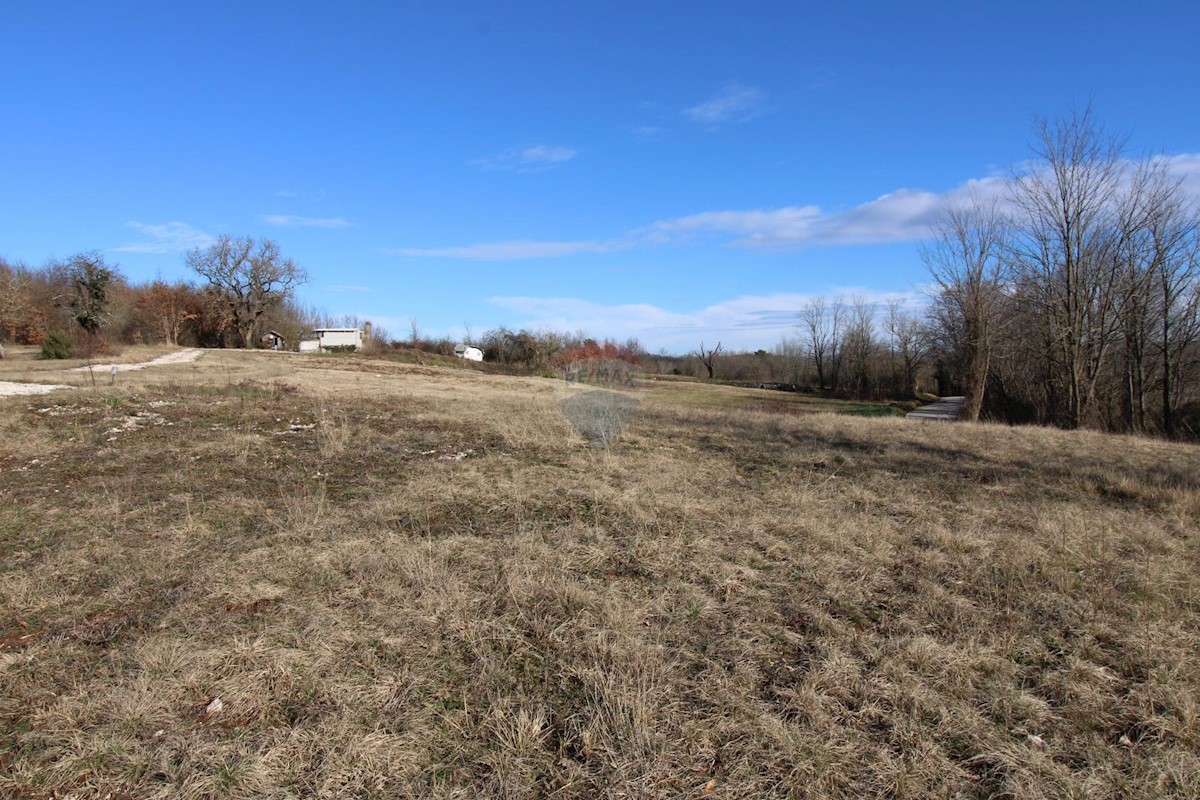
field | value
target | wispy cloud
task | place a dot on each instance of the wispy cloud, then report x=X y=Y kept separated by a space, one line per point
x=904 y=215
x=169 y=237
x=285 y=193
x=646 y=132
x=510 y=250
x=527 y=159
x=292 y=221
x=749 y=321
x=348 y=287
x=733 y=103
x=1186 y=168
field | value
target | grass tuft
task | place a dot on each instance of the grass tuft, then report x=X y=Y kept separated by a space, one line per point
x=410 y=581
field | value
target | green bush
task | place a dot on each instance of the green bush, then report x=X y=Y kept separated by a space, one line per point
x=340 y=348
x=58 y=344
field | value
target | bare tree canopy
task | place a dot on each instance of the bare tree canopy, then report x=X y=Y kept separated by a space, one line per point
x=821 y=327
x=15 y=299
x=1075 y=299
x=708 y=358
x=250 y=277
x=1063 y=246
x=964 y=258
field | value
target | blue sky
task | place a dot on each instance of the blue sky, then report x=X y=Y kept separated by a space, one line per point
x=675 y=171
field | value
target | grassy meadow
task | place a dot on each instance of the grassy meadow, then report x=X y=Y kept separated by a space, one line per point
x=274 y=575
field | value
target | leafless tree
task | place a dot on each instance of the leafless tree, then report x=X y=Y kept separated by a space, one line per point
x=859 y=345
x=965 y=260
x=708 y=357
x=909 y=343
x=170 y=306
x=791 y=352
x=1064 y=247
x=1174 y=259
x=250 y=278
x=14 y=299
x=821 y=327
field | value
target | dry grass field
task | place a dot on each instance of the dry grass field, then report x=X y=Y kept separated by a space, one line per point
x=271 y=575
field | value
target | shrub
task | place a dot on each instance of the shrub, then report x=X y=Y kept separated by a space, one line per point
x=340 y=348
x=591 y=350
x=57 y=344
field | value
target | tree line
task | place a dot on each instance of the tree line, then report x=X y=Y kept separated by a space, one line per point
x=1072 y=297
x=1067 y=295
x=86 y=304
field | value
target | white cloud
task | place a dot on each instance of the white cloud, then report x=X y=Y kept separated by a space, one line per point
x=169 y=237
x=747 y=322
x=527 y=159
x=285 y=193
x=542 y=154
x=1186 y=168
x=347 y=287
x=734 y=103
x=510 y=250
x=646 y=131
x=291 y=221
x=899 y=216
x=904 y=215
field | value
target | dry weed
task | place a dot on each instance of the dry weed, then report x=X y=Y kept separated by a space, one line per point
x=413 y=582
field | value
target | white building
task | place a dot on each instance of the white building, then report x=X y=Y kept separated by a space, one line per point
x=325 y=338
x=468 y=352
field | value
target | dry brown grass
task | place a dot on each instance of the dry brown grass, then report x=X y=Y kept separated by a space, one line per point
x=414 y=582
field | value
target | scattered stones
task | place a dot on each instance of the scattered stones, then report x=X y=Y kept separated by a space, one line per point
x=135 y=422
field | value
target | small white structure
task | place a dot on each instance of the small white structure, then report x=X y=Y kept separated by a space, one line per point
x=325 y=338
x=468 y=352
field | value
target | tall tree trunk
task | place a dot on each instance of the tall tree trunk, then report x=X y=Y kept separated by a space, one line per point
x=976 y=383
x=1168 y=389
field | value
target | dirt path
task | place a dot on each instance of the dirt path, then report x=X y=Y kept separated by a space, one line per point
x=946 y=409
x=178 y=357
x=11 y=389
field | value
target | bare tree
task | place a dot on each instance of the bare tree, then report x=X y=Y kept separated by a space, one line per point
x=964 y=258
x=1175 y=270
x=250 y=278
x=821 y=327
x=859 y=345
x=790 y=351
x=708 y=357
x=14 y=299
x=171 y=307
x=1064 y=250
x=909 y=343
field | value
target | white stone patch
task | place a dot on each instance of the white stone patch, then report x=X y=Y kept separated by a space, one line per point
x=10 y=389
x=459 y=456
x=136 y=422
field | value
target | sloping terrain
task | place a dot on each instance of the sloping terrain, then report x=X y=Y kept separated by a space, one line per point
x=409 y=582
